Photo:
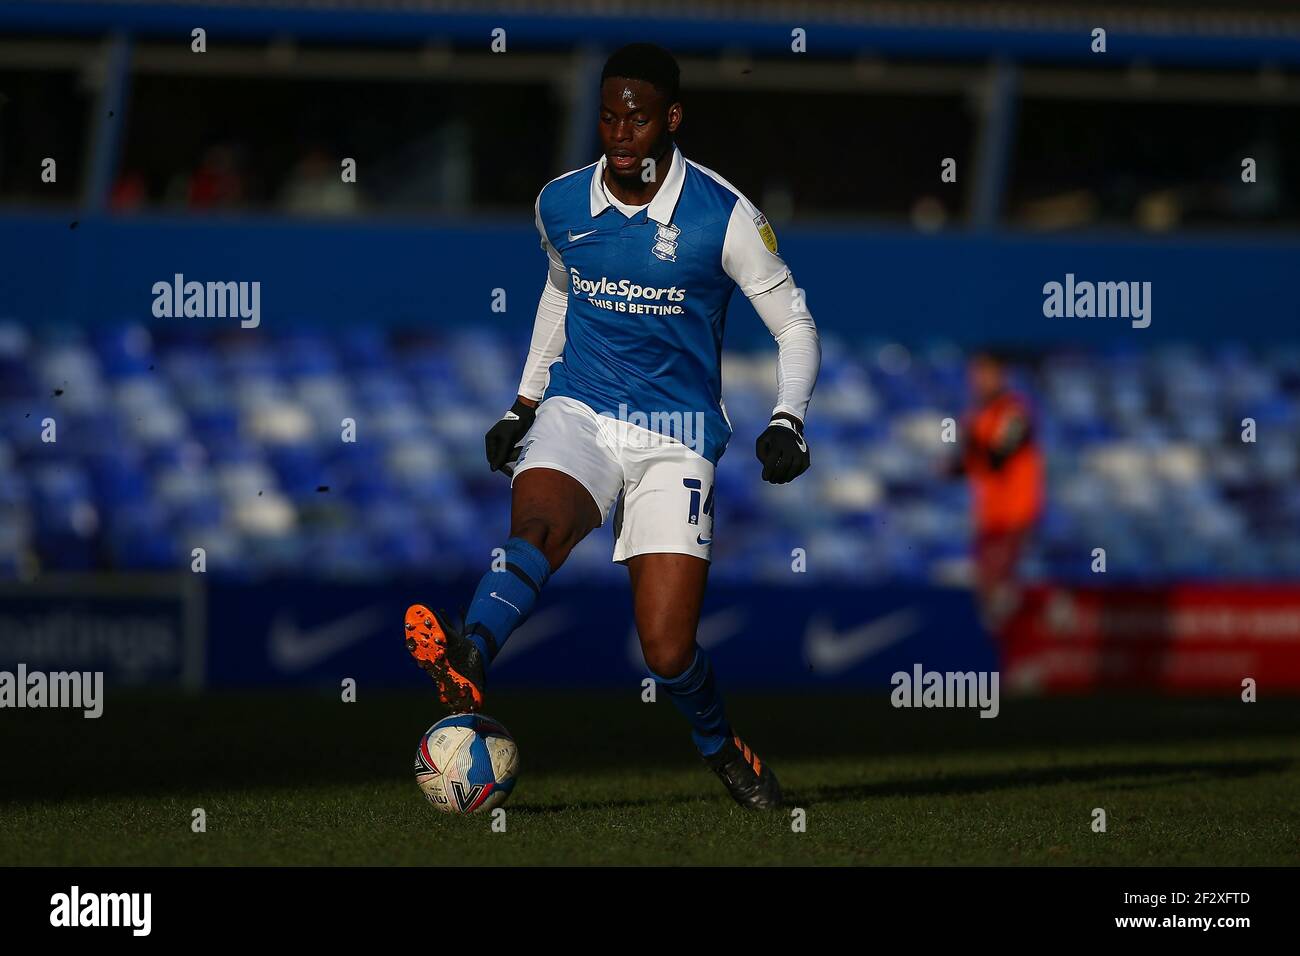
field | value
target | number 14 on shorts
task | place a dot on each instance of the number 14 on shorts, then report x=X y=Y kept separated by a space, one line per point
x=696 y=487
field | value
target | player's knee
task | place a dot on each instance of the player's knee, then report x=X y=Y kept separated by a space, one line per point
x=666 y=657
x=553 y=539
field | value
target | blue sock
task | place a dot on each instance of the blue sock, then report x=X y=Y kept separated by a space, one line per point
x=695 y=694
x=505 y=598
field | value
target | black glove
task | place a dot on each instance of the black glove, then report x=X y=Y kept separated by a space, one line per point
x=782 y=450
x=502 y=437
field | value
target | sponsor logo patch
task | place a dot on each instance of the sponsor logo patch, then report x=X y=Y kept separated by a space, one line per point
x=765 y=230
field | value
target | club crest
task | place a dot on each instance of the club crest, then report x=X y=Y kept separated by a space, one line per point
x=665 y=246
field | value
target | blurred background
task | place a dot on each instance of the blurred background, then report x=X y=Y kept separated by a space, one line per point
x=377 y=305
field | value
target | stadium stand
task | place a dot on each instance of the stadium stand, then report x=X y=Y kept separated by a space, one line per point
x=166 y=441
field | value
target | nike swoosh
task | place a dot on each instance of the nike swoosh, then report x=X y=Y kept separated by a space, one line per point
x=581 y=235
x=712 y=631
x=798 y=437
x=719 y=626
x=535 y=630
x=700 y=540
x=504 y=601
x=831 y=652
x=294 y=649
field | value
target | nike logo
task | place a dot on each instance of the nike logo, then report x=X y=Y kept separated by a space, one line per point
x=831 y=652
x=798 y=437
x=700 y=540
x=538 y=628
x=504 y=601
x=712 y=631
x=294 y=649
x=581 y=235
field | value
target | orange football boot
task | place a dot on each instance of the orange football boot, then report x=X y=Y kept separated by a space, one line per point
x=451 y=659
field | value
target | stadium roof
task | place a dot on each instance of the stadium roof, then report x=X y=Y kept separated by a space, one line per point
x=936 y=12
x=1220 y=32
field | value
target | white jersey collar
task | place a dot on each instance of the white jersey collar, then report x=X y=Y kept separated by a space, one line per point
x=661 y=207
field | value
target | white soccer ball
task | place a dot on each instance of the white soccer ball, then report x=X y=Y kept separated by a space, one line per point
x=466 y=763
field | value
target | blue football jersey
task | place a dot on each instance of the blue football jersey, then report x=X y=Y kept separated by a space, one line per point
x=648 y=295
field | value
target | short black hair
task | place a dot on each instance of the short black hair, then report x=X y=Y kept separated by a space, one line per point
x=648 y=62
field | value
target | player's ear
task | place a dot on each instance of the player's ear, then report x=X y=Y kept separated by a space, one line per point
x=674 y=117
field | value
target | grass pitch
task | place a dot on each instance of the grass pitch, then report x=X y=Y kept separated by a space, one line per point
x=292 y=778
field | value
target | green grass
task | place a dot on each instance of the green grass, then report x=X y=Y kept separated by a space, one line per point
x=306 y=779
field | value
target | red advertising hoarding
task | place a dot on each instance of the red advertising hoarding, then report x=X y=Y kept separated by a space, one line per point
x=1200 y=638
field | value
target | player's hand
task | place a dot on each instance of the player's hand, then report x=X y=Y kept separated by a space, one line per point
x=782 y=450
x=502 y=437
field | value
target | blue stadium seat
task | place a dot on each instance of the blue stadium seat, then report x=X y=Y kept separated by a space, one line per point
x=183 y=437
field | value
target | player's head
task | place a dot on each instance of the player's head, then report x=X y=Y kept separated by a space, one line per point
x=987 y=374
x=639 y=109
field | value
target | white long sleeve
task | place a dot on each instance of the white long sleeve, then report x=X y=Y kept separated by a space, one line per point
x=548 y=333
x=750 y=257
x=548 y=326
x=799 y=351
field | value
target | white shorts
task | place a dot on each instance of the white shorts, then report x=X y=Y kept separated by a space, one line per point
x=666 y=487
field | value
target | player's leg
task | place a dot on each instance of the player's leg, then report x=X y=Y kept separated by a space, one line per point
x=564 y=467
x=667 y=592
x=550 y=512
x=997 y=555
x=664 y=533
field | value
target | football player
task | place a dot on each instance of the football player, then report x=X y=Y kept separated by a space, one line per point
x=619 y=413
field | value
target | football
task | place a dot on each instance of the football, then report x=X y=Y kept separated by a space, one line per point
x=466 y=763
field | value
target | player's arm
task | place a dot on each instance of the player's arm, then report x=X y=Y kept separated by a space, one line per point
x=1012 y=436
x=545 y=348
x=749 y=256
